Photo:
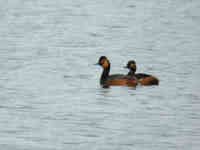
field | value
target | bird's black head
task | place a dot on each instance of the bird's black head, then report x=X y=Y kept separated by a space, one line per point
x=131 y=65
x=104 y=62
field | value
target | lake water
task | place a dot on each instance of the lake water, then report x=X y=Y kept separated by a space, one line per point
x=50 y=97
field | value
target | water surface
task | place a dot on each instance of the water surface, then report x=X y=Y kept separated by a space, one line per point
x=50 y=94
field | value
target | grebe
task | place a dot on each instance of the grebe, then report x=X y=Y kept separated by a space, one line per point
x=107 y=80
x=144 y=79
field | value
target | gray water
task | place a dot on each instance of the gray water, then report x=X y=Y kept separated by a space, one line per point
x=50 y=97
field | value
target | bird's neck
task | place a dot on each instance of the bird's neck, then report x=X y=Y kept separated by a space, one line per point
x=132 y=72
x=105 y=74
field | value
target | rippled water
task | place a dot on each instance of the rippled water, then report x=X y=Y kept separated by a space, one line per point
x=49 y=89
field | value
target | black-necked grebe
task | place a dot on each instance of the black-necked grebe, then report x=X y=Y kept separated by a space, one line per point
x=144 y=79
x=116 y=79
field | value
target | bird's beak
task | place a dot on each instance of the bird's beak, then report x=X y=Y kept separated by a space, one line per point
x=96 y=64
x=125 y=67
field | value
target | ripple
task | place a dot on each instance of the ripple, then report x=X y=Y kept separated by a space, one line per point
x=50 y=93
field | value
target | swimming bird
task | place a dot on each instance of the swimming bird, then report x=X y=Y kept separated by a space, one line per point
x=107 y=80
x=143 y=79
